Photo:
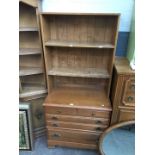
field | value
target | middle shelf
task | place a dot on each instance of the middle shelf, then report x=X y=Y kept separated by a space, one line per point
x=23 y=71
x=80 y=72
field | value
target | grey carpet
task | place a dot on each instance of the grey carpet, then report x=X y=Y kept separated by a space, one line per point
x=40 y=148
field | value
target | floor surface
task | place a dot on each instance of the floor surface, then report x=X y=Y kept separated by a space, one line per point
x=40 y=148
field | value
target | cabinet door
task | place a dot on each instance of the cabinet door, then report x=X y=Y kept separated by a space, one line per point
x=38 y=113
x=128 y=96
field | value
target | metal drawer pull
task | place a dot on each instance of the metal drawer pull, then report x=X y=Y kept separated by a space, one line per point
x=56 y=135
x=55 y=125
x=54 y=118
x=98 y=129
x=98 y=122
x=130 y=98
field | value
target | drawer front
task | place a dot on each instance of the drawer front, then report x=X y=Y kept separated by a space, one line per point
x=128 y=96
x=126 y=115
x=62 y=134
x=77 y=119
x=77 y=112
x=52 y=143
x=80 y=126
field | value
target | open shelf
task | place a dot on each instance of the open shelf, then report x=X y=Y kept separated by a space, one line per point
x=78 y=97
x=23 y=71
x=29 y=51
x=31 y=90
x=27 y=16
x=29 y=40
x=32 y=85
x=27 y=29
x=79 y=30
x=78 y=44
x=80 y=72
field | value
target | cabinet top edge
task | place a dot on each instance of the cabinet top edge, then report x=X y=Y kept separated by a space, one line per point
x=78 y=13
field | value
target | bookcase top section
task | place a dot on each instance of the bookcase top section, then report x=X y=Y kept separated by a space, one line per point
x=71 y=13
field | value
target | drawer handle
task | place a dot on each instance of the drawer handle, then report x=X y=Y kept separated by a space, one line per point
x=54 y=118
x=98 y=129
x=130 y=98
x=93 y=114
x=98 y=122
x=55 y=125
x=56 y=135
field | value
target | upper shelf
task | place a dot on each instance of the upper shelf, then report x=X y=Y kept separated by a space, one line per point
x=30 y=71
x=29 y=51
x=80 y=72
x=78 y=44
x=27 y=29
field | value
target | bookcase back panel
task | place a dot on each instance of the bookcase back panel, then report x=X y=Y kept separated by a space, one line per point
x=29 y=40
x=33 y=80
x=27 y=16
x=60 y=81
x=79 y=58
x=30 y=61
x=83 y=28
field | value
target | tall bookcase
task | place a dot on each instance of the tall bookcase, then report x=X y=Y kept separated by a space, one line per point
x=32 y=81
x=79 y=50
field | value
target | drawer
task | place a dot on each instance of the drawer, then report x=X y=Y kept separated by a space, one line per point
x=61 y=134
x=77 y=111
x=77 y=119
x=53 y=143
x=126 y=115
x=128 y=96
x=80 y=126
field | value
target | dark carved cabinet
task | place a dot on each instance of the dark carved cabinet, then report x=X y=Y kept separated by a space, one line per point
x=123 y=92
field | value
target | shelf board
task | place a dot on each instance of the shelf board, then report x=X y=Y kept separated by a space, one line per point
x=78 y=44
x=25 y=29
x=29 y=51
x=23 y=71
x=28 y=91
x=80 y=72
x=77 y=97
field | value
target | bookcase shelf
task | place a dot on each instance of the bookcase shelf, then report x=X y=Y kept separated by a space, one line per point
x=29 y=51
x=27 y=29
x=80 y=72
x=23 y=71
x=78 y=44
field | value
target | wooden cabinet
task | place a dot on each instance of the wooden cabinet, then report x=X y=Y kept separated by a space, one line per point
x=32 y=80
x=79 y=50
x=123 y=92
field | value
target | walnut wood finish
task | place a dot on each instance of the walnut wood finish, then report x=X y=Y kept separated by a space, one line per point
x=123 y=92
x=79 y=51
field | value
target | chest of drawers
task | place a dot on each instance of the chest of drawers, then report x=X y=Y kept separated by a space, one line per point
x=75 y=125
x=123 y=92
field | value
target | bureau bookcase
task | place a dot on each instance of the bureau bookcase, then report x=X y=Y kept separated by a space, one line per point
x=32 y=81
x=79 y=51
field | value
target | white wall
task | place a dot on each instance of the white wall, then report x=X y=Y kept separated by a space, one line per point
x=96 y=6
